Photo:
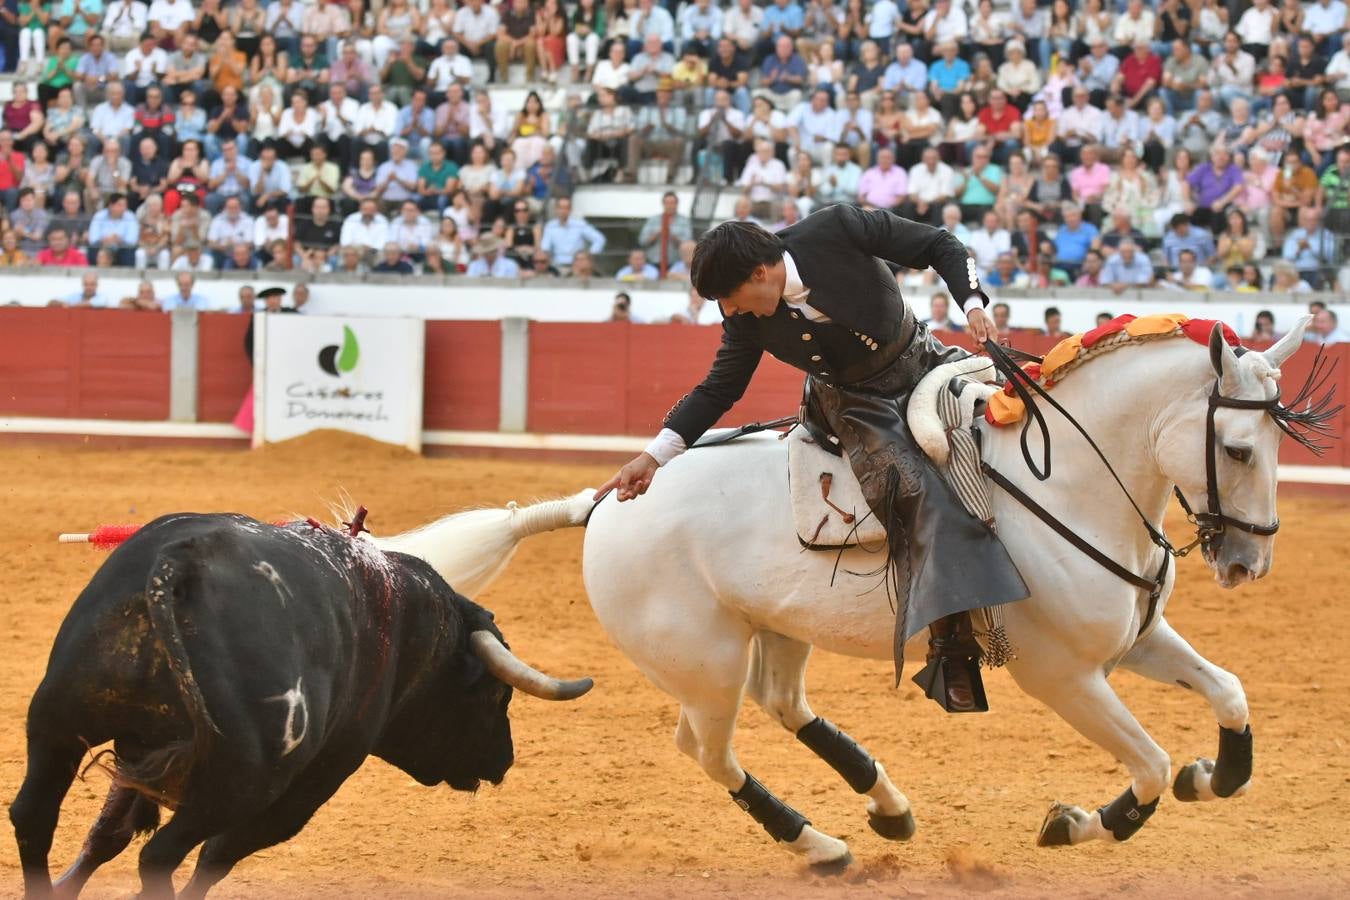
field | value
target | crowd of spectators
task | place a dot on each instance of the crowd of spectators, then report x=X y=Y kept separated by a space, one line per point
x=1187 y=144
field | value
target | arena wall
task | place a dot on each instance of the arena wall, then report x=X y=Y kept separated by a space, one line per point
x=507 y=377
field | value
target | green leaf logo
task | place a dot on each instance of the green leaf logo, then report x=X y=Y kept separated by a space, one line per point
x=337 y=361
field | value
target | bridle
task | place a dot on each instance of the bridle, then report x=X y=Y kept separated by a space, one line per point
x=1212 y=524
x=1209 y=525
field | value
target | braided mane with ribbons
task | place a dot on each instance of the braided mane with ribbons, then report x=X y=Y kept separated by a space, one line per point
x=1305 y=417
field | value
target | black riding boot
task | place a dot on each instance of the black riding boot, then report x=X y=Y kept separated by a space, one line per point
x=952 y=675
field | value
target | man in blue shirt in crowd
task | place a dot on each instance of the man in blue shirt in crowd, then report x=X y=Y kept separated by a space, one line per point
x=564 y=236
x=1073 y=239
x=781 y=17
x=185 y=297
x=115 y=228
x=782 y=75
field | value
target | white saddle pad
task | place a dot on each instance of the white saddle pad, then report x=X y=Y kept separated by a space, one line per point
x=827 y=501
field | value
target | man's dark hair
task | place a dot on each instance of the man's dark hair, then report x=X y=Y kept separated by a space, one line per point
x=1180 y=219
x=1051 y=311
x=998 y=306
x=1315 y=305
x=1187 y=251
x=727 y=255
x=115 y=198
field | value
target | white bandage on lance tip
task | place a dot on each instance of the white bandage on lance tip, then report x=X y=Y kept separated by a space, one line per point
x=666 y=446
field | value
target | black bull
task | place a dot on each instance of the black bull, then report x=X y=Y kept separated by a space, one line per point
x=243 y=672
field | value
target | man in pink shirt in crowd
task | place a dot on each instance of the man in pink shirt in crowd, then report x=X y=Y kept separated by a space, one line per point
x=1089 y=179
x=885 y=185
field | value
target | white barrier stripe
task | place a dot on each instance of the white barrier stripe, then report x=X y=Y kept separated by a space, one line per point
x=490 y=440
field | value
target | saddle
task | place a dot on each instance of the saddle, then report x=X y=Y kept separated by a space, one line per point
x=828 y=508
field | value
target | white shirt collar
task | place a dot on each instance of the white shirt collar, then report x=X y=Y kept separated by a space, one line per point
x=793 y=289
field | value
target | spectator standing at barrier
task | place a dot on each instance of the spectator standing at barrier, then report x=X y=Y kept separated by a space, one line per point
x=186 y=296
x=88 y=296
x=60 y=251
x=663 y=233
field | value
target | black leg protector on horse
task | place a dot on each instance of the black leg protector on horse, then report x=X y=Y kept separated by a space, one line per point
x=842 y=753
x=782 y=822
x=1124 y=815
x=1233 y=767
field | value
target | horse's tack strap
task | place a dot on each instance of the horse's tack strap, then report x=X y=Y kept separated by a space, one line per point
x=1154 y=588
x=742 y=431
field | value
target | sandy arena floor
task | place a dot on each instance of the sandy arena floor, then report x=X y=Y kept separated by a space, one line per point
x=601 y=804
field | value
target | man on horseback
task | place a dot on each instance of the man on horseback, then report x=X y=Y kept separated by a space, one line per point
x=819 y=297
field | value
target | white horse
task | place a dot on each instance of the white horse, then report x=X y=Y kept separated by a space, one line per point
x=703 y=584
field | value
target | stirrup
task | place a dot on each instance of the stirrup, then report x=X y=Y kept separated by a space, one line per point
x=932 y=678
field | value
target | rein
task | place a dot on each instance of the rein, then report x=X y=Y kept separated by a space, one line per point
x=1209 y=525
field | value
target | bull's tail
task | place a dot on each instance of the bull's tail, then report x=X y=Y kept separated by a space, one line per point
x=470 y=549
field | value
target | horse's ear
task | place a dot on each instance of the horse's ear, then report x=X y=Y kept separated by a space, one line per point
x=1224 y=360
x=1288 y=345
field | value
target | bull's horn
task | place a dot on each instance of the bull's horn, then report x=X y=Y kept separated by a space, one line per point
x=504 y=664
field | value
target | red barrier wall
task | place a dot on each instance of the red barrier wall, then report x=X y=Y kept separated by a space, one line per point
x=606 y=378
x=84 y=364
x=462 y=384
x=223 y=371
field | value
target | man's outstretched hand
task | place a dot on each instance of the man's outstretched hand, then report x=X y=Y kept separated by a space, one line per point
x=633 y=479
x=980 y=327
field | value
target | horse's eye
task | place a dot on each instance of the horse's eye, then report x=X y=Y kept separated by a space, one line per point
x=1239 y=454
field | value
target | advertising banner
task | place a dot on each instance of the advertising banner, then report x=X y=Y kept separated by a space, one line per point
x=360 y=375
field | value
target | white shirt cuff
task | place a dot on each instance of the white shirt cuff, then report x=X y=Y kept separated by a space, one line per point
x=666 y=446
x=974 y=301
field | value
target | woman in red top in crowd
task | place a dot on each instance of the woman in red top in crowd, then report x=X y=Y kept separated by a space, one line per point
x=24 y=118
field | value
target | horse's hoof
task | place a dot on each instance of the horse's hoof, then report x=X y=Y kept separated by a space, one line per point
x=893 y=828
x=1057 y=829
x=1186 y=789
x=832 y=867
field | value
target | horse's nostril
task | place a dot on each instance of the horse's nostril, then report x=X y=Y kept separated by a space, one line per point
x=1237 y=573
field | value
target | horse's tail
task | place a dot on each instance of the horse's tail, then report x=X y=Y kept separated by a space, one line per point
x=471 y=548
